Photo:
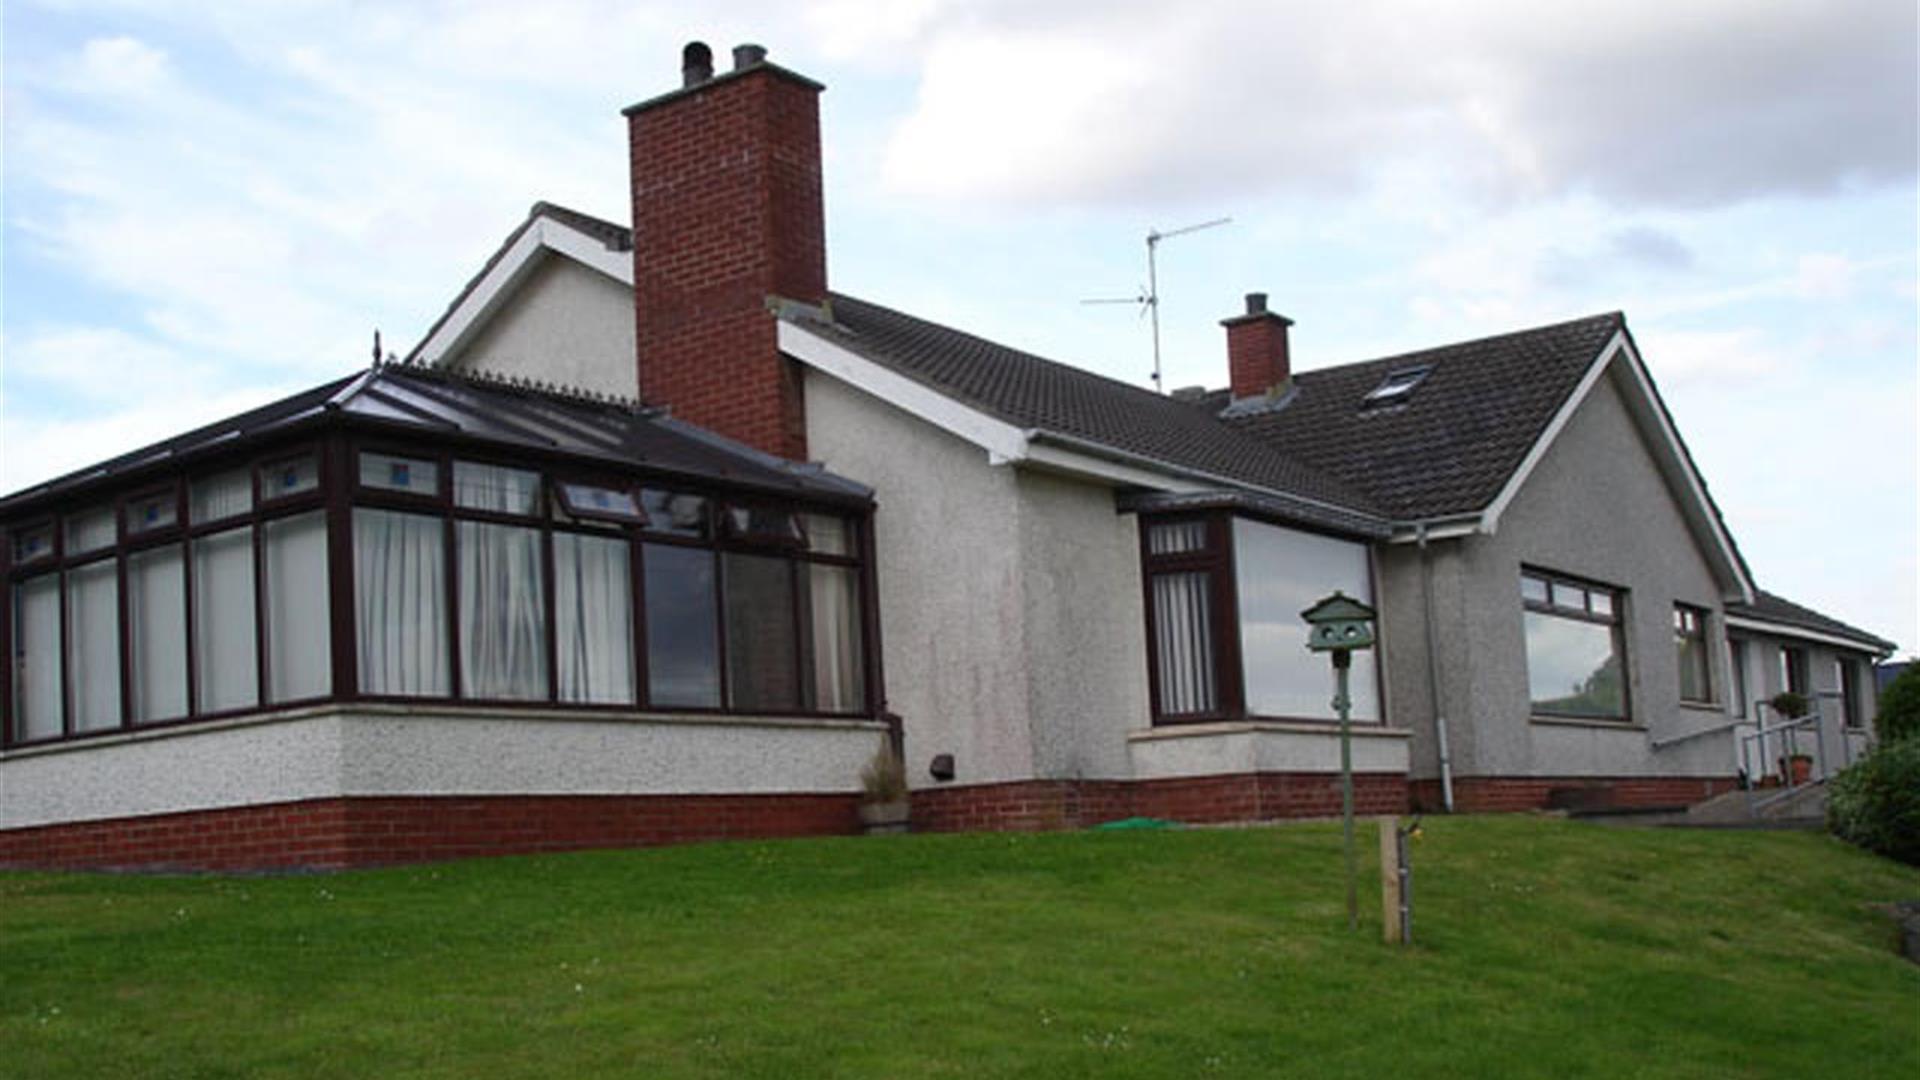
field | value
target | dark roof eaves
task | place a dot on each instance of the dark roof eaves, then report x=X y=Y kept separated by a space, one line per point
x=1776 y=610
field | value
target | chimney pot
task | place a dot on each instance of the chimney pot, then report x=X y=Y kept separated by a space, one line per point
x=745 y=56
x=1256 y=303
x=696 y=63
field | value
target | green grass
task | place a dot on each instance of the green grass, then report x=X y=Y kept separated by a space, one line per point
x=1546 y=948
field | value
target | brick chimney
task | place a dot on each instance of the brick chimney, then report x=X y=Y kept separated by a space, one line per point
x=1257 y=350
x=727 y=215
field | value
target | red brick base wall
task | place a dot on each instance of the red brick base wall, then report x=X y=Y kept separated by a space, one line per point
x=1482 y=794
x=1031 y=805
x=331 y=834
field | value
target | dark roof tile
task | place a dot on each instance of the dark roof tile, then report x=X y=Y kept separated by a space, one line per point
x=1033 y=393
x=1772 y=608
x=1460 y=434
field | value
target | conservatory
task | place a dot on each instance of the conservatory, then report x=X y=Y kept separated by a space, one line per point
x=411 y=544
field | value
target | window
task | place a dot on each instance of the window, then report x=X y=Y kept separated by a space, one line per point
x=400 y=603
x=831 y=597
x=683 y=627
x=1575 y=664
x=1690 y=646
x=37 y=658
x=675 y=513
x=1844 y=677
x=299 y=647
x=761 y=648
x=1793 y=670
x=226 y=665
x=1225 y=638
x=496 y=488
x=157 y=633
x=415 y=476
x=1183 y=562
x=290 y=477
x=593 y=609
x=32 y=544
x=1396 y=387
x=220 y=496
x=1737 y=669
x=599 y=503
x=503 y=613
x=93 y=645
x=217 y=594
x=1279 y=573
x=88 y=532
x=151 y=512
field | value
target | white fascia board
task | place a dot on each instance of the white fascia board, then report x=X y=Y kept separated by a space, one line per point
x=1064 y=460
x=1668 y=451
x=483 y=301
x=1003 y=442
x=1774 y=629
x=1490 y=517
x=1441 y=529
x=587 y=251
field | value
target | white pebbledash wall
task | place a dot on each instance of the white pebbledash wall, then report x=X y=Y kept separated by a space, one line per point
x=567 y=324
x=1010 y=603
x=379 y=750
x=1596 y=507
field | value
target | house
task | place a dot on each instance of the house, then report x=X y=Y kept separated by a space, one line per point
x=654 y=537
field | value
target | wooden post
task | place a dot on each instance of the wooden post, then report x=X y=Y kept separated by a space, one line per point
x=1389 y=878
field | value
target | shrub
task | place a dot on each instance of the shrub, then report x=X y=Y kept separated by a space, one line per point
x=1876 y=803
x=884 y=778
x=1899 y=716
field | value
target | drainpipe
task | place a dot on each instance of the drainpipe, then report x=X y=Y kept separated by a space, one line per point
x=1433 y=672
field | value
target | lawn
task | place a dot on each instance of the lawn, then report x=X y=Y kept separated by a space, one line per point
x=1545 y=948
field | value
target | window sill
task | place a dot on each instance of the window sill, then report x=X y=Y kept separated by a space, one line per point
x=1705 y=706
x=1575 y=721
x=1371 y=729
x=539 y=712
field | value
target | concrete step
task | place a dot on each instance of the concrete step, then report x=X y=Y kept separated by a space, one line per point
x=1803 y=807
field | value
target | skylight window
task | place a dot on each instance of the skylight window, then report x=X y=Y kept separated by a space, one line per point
x=1396 y=387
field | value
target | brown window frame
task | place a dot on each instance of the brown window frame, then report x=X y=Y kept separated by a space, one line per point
x=1690 y=623
x=1614 y=618
x=1220 y=561
x=338 y=491
x=183 y=531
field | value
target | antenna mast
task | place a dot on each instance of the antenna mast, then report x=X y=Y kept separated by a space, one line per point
x=1149 y=298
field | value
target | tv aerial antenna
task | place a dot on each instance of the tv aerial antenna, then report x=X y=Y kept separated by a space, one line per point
x=1148 y=298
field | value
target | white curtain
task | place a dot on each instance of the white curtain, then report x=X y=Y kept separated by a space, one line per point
x=157 y=633
x=299 y=648
x=503 y=637
x=495 y=487
x=220 y=496
x=593 y=603
x=838 y=675
x=93 y=644
x=226 y=672
x=36 y=647
x=1183 y=642
x=400 y=603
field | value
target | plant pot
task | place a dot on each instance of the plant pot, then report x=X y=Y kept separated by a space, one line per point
x=886 y=817
x=1801 y=767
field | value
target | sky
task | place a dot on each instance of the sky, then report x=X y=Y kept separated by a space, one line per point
x=209 y=206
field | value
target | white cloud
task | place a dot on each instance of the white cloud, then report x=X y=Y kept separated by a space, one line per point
x=1648 y=103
